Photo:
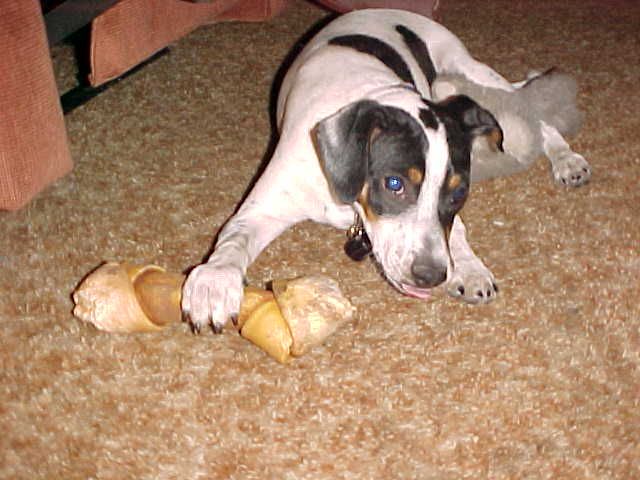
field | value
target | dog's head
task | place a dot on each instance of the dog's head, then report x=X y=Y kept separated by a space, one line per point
x=407 y=175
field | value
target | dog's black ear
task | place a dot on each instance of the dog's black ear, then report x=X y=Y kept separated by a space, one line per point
x=342 y=144
x=473 y=119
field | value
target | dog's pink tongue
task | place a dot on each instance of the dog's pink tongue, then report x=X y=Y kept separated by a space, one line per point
x=422 y=293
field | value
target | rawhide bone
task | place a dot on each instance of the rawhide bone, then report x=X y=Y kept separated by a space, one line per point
x=285 y=322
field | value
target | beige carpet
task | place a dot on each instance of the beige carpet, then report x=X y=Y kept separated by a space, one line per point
x=543 y=383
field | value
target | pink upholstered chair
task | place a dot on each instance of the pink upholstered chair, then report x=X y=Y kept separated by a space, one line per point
x=33 y=142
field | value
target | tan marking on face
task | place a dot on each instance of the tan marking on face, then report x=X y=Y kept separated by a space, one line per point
x=415 y=175
x=454 y=181
x=494 y=138
x=375 y=133
x=363 y=200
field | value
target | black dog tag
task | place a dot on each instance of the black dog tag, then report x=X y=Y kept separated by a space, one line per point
x=358 y=245
x=358 y=248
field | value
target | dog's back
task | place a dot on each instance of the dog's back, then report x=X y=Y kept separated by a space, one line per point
x=396 y=47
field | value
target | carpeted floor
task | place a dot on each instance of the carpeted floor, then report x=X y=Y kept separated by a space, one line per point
x=543 y=383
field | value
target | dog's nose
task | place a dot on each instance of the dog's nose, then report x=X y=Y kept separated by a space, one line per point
x=426 y=274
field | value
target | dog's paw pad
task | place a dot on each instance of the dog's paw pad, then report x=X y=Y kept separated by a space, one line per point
x=571 y=170
x=473 y=285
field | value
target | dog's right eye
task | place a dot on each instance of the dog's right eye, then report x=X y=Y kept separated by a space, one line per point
x=394 y=184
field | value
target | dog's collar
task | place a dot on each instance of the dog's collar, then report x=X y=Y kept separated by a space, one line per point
x=358 y=246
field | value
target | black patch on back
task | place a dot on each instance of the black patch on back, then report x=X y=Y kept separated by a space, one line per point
x=420 y=52
x=378 y=49
x=429 y=118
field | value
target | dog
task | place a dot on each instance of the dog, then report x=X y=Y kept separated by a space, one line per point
x=363 y=146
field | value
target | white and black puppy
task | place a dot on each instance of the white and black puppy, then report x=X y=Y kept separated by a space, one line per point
x=360 y=137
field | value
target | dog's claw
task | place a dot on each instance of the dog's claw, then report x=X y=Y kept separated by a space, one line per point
x=217 y=328
x=195 y=328
x=211 y=296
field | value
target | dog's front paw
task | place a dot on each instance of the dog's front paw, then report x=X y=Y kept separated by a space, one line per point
x=571 y=169
x=212 y=295
x=472 y=282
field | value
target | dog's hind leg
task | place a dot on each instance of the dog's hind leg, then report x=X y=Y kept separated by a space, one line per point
x=569 y=168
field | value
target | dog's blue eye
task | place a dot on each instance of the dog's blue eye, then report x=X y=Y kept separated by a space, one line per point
x=394 y=184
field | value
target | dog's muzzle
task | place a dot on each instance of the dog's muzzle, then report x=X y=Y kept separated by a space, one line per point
x=425 y=276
